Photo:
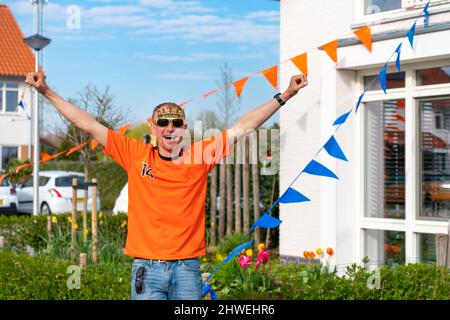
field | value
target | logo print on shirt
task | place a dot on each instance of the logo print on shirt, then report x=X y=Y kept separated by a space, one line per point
x=146 y=172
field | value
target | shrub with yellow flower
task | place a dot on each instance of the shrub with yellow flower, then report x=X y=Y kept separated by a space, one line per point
x=54 y=220
x=85 y=232
x=261 y=246
x=75 y=226
x=319 y=251
x=124 y=224
x=249 y=252
x=69 y=219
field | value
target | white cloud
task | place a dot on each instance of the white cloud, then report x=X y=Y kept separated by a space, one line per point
x=264 y=15
x=196 y=57
x=185 y=76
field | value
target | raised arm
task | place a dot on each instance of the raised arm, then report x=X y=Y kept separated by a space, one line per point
x=256 y=117
x=79 y=117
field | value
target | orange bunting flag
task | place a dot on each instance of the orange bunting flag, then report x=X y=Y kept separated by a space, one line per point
x=72 y=150
x=184 y=103
x=239 y=86
x=331 y=49
x=24 y=166
x=364 y=34
x=206 y=95
x=94 y=144
x=45 y=157
x=301 y=62
x=271 y=74
x=124 y=129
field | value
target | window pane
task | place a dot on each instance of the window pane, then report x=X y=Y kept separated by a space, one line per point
x=376 y=6
x=12 y=85
x=7 y=154
x=384 y=247
x=12 y=100
x=43 y=181
x=66 y=181
x=426 y=244
x=1 y=100
x=385 y=149
x=433 y=76
x=435 y=151
x=393 y=81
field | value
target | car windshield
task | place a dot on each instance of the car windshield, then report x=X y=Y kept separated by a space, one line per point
x=66 y=181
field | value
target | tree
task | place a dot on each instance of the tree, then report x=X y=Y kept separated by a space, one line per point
x=228 y=105
x=103 y=107
x=18 y=177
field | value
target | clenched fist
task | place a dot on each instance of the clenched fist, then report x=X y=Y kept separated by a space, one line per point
x=297 y=82
x=37 y=81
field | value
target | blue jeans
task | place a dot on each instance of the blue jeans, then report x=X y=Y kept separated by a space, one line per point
x=168 y=280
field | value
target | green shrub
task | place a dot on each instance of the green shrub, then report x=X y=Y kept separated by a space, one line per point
x=27 y=278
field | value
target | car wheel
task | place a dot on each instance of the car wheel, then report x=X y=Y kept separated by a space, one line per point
x=45 y=209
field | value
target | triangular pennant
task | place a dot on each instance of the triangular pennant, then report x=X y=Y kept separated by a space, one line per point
x=334 y=150
x=184 y=103
x=124 y=129
x=206 y=95
x=364 y=34
x=341 y=119
x=382 y=78
x=301 y=62
x=318 y=169
x=271 y=74
x=292 y=196
x=72 y=150
x=397 y=61
x=267 y=221
x=239 y=86
x=45 y=157
x=359 y=101
x=411 y=34
x=426 y=13
x=94 y=144
x=331 y=49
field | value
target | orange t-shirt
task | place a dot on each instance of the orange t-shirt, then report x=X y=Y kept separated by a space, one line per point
x=166 y=198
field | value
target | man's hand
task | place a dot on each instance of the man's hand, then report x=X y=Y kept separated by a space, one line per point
x=297 y=82
x=37 y=81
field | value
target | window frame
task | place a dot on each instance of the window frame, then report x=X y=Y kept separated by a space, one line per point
x=1 y=154
x=4 y=90
x=413 y=224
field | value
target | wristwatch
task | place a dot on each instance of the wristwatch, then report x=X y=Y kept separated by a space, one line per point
x=278 y=98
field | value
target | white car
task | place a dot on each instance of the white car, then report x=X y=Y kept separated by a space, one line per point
x=8 y=197
x=121 y=204
x=55 y=193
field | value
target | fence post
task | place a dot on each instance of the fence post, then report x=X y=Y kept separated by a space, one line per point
x=74 y=218
x=94 y=221
x=2 y=242
x=83 y=261
x=86 y=191
x=443 y=248
x=448 y=245
x=49 y=225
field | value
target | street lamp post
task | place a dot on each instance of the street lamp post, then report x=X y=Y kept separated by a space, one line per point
x=37 y=42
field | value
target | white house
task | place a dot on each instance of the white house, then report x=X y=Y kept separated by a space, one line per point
x=16 y=60
x=393 y=195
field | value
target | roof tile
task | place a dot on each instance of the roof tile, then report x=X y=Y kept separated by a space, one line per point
x=16 y=58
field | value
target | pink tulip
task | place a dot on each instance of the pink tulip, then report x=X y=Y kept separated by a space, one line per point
x=245 y=261
x=263 y=256
x=257 y=264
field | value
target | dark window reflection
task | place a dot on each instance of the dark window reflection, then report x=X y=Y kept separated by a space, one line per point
x=435 y=166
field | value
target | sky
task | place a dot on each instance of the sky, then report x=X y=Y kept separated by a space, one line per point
x=153 y=51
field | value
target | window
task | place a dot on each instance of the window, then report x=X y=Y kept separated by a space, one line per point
x=393 y=81
x=435 y=153
x=431 y=76
x=377 y=6
x=386 y=159
x=406 y=162
x=66 y=181
x=7 y=153
x=9 y=96
x=385 y=247
x=42 y=181
x=426 y=244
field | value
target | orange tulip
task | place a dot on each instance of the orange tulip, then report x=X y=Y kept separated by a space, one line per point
x=330 y=251
x=306 y=254
x=312 y=255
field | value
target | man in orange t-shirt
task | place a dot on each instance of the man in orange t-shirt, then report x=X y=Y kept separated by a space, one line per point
x=167 y=189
